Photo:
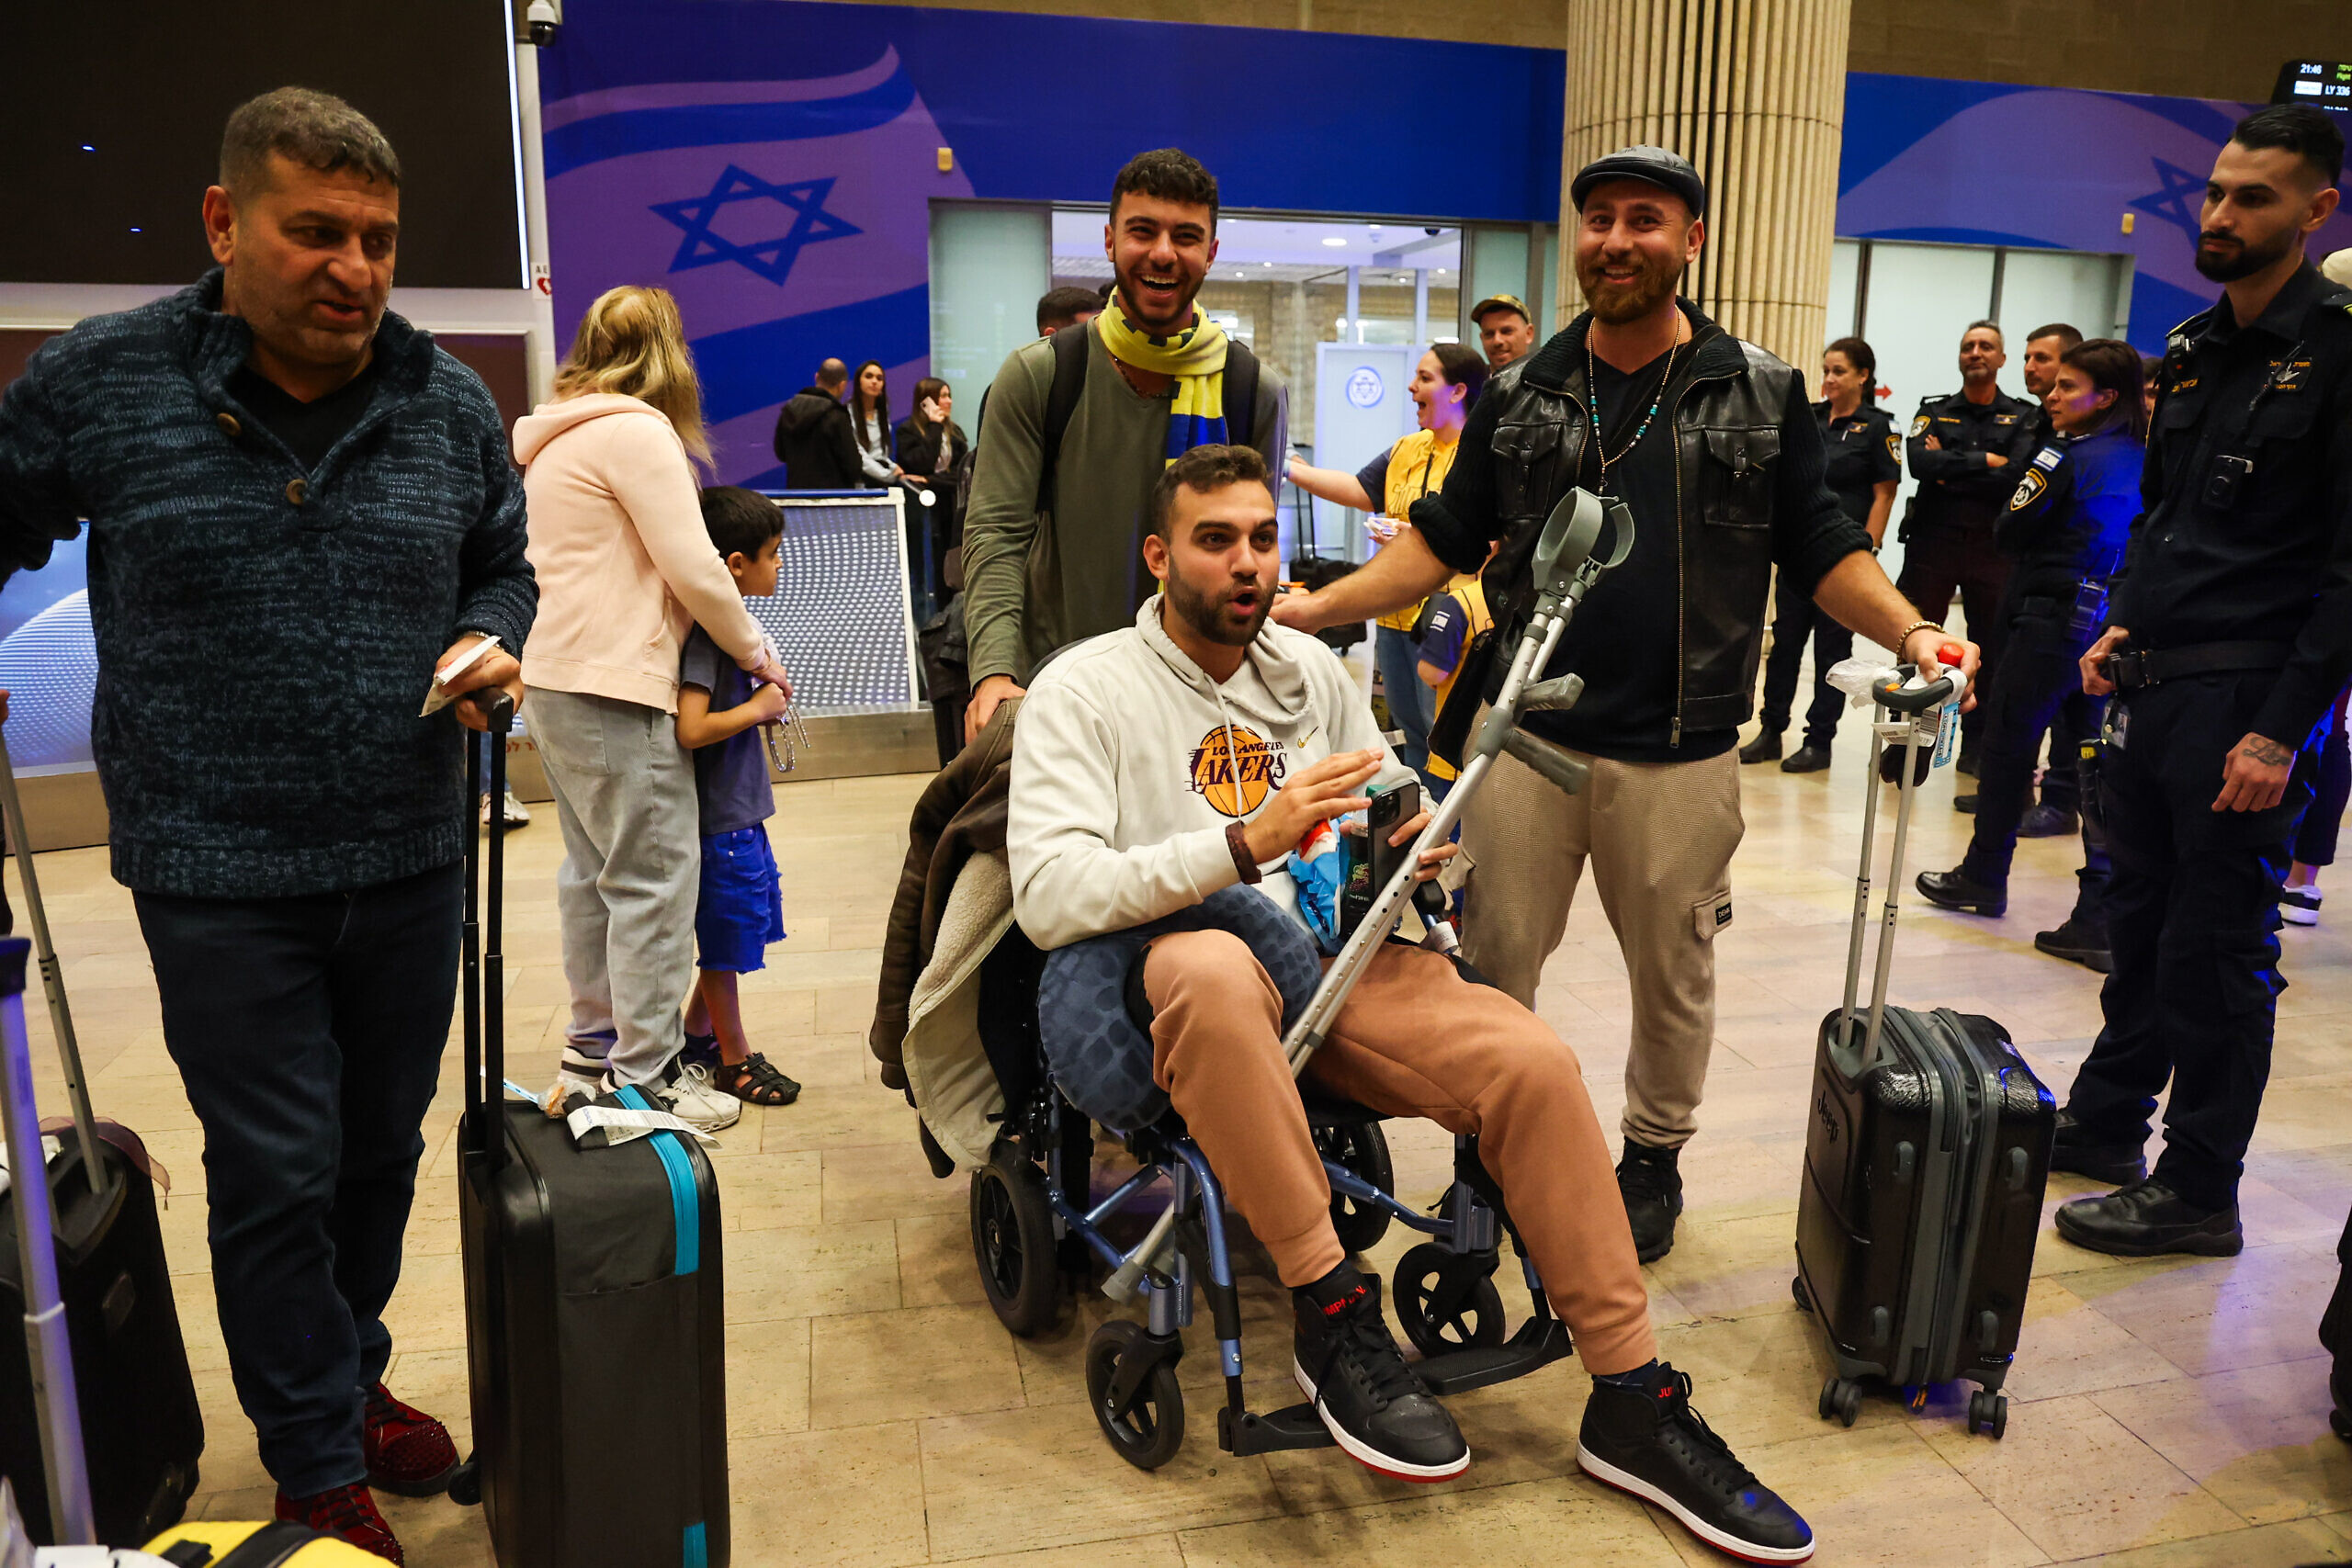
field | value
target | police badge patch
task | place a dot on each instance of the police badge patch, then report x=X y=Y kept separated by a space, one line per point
x=1893 y=446
x=1920 y=425
x=2028 y=490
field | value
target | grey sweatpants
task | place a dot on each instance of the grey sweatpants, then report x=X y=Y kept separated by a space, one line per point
x=625 y=795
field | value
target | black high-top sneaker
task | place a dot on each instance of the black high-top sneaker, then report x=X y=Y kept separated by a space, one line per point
x=1650 y=1180
x=1648 y=1441
x=1370 y=1400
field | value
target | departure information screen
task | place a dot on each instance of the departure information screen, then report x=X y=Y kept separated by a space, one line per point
x=2327 y=83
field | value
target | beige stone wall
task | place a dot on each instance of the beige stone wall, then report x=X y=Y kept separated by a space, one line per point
x=1531 y=24
x=2199 y=49
x=1751 y=91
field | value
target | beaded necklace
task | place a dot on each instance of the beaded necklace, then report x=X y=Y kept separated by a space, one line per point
x=1592 y=386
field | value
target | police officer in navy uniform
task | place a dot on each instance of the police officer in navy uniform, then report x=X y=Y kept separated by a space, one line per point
x=2064 y=528
x=2228 y=637
x=1967 y=450
x=1865 y=465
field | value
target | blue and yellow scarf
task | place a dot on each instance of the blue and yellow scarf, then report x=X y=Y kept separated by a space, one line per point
x=1195 y=356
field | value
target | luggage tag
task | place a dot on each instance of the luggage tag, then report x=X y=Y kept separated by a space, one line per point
x=1947 y=730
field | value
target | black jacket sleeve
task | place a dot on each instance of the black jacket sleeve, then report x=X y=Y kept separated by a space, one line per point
x=2321 y=663
x=1460 y=520
x=1811 y=533
x=852 y=471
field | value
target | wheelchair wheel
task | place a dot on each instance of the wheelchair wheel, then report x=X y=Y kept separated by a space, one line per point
x=1362 y=1149
x=1447 y=1300
x=1149 y=1430
x=1012 y=1241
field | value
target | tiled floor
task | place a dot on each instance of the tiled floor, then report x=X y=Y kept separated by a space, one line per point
x=2168 y=1412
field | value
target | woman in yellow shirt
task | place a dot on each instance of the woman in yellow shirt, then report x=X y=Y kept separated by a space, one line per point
x=1445 y=383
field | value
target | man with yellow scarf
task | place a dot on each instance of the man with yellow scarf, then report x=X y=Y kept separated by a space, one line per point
x=1053 y=557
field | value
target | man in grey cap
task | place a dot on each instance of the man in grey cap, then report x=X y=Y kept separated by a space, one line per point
x=1712 y=445
x=1506 y=332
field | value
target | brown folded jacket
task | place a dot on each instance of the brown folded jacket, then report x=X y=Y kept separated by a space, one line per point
x=961 y=813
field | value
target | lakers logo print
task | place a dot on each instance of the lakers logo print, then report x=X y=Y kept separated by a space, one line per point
x=1236 y=786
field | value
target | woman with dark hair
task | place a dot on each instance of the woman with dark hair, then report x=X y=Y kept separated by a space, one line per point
x=869 y=418
x=2065 y=529
x=1445 y=383
x=930 y=442
x=1865 y=467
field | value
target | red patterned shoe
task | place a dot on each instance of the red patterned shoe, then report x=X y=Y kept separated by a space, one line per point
x=346 y=1513
x=408 y=1452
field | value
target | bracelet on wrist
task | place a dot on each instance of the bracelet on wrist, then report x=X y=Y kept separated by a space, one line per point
x=1236 y=840
x=1914 y=628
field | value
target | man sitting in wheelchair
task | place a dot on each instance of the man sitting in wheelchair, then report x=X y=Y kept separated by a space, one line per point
x=1158 y=766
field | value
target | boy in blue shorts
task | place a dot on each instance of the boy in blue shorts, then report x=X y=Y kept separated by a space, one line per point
x=741 y=907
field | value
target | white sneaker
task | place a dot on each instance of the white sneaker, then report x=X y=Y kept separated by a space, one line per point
x=576 y=1072
x=517 y=814
x=692 y=1098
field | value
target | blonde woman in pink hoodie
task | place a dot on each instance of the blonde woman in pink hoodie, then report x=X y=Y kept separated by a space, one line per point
x=625 y=568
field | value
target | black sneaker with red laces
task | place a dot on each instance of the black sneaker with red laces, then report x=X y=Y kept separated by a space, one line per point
x=346 y=1513
x=1370 y=1399
x=408 y=1453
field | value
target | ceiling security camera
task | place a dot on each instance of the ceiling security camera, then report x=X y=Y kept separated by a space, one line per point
x=544 y=19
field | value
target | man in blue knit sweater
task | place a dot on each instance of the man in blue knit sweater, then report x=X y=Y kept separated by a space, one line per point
x=299 y=508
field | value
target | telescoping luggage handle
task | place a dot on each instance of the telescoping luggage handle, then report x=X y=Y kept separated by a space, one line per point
x=49 y=1352
x=483 y=965
x=52 y=979
x=1907 y=702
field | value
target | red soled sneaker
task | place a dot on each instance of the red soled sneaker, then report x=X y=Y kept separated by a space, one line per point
x=408 y=1452
x=346 y=1513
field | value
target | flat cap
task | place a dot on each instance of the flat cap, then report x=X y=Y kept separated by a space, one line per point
x=1659 y=167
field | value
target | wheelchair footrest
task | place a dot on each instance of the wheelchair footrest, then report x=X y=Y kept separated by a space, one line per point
x=1536 y=1345
x=1294 y=1427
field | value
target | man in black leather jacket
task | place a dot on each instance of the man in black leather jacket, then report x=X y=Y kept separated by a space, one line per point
x=1715 y=449
x=814 y=437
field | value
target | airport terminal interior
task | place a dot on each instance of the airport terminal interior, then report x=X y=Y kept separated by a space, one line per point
x=896 y=186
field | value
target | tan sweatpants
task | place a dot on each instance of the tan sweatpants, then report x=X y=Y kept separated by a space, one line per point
x=1659 y=837
x=1414 y=1040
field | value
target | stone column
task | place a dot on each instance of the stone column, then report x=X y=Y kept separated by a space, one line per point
x=1753 y=92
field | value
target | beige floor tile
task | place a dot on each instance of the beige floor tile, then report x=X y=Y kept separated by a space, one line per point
x=763 y=1191
x=2268 y=1546
x=2076 y=1481
x=837 y=1499
x=2339 y=1523
x=428 y=1310
x=827 y=1117
x=945 y=1361
x=1015 y=1480
x=2068 y=1348
x=935 y=1262
x=767 y=1379
x=886 y=1181
x=2208 y=1316
x=2257 y=1439
x=1532 y=1523
x=811 y=1271
x=1877 y=1497
x=1757 y=1379
x=1130 y=1551
x=1731 y=1268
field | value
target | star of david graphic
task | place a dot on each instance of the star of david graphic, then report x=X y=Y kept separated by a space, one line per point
x=2180 y=202
x=772 y=259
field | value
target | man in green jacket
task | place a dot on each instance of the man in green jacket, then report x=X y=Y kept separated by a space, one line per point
x=1038 y=577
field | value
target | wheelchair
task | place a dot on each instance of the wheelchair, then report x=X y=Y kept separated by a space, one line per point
x=1035 y=1220
x=1035 y=1224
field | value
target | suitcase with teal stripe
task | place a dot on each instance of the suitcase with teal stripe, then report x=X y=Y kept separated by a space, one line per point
x=594 y=1300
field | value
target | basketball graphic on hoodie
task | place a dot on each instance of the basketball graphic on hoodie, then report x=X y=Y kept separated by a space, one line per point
x=1231 y=791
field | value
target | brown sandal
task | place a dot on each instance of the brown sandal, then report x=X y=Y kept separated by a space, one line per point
x=756 y=1081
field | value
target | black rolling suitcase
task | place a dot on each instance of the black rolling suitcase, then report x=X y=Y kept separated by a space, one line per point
x=1925 y=1155
x=134 y=1412
x=2335 y=1336
x=594 y=1324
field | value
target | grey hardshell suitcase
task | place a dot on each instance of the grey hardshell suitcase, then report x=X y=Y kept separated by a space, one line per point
x=1925 y=1156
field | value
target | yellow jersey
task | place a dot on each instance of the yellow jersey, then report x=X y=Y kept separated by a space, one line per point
x=1417 y=465
x=1470 y=593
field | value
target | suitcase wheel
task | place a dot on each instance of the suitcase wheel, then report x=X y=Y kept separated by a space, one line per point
x=1803 y=1297
x=465 y=1484
x=1989 y=1412
x=1842 y=1398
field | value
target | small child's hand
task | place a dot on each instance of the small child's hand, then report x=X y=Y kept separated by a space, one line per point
x=768 y=702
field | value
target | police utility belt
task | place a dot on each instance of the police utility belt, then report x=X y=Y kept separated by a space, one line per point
x=2134 y=668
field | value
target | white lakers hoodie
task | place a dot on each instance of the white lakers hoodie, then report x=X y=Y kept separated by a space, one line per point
x=1122 y=783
